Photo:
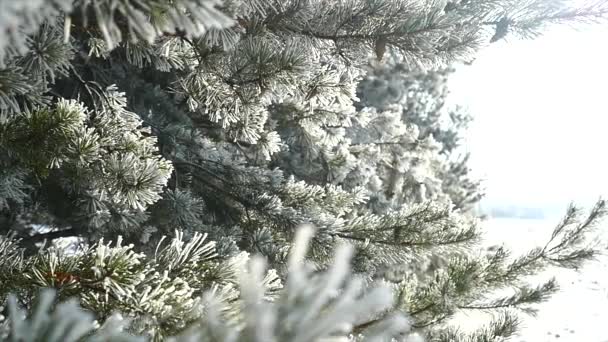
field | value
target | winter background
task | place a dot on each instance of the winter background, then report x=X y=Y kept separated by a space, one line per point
x=539 y=141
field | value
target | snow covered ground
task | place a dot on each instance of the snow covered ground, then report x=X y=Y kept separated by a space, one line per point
x=579 y=312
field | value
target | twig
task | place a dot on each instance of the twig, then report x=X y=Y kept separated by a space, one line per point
x=49 y=236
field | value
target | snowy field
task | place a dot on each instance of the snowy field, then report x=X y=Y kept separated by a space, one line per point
x=579 y=311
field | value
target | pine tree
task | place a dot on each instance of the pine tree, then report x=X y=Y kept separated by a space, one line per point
x=420 y=97
x=161 y=124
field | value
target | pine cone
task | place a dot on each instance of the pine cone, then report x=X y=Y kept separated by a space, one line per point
x=502 y=28
x=380 y=47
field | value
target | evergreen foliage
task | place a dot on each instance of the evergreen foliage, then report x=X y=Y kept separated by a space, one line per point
x=155 y=294
x=159 y=124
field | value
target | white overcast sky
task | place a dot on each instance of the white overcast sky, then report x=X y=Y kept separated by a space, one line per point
x=540 y=135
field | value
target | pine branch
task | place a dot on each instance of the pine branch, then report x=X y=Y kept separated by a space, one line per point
x=50 y=236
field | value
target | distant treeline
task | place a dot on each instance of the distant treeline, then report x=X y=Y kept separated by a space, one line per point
x=514 y=212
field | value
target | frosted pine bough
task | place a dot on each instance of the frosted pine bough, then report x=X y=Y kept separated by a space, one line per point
x=239 y=121
x=330 y=303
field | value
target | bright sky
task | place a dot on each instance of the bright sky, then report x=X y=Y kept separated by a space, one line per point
x=540 y=135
